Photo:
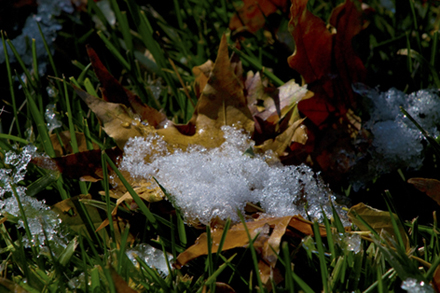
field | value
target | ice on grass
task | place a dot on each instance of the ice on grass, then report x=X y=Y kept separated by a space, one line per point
x=411 y=285
x=151 y=256
x=348 y=242
x=51 y=118
x=39 y=216
x=208 y=183
x=397 y=142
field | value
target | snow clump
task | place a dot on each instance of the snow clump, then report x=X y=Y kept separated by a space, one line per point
x=397 y=142
x=209 y=183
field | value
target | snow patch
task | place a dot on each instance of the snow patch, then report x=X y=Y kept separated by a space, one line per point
x=208 y=183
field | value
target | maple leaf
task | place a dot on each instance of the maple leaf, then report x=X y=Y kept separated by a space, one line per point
x=252 y=15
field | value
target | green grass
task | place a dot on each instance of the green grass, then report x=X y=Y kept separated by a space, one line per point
x=185 y=36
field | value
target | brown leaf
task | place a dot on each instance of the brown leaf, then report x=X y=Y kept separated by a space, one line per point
x=222 y=103
x=85 y=166
x=120 y=284
x=429 y=186
x=436 y=279
x=220 y=288
x=147 y=190
x=202 y=73
x=114 y=92
x=237 y=237
x=378 y=220
x=295 y=133
x=65 y=143
x=117 y=120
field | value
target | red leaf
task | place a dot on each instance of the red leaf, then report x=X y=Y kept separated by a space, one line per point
x=326 y=59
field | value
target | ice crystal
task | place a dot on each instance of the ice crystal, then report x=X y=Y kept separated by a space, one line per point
x=208 y=183
x=151 y=256
x=51 y=118
x=38 y=214
x=413 y=286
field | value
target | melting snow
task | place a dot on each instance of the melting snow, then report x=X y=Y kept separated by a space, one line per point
x=206 y=183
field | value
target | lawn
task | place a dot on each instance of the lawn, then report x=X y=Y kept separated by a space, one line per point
x=229 y=146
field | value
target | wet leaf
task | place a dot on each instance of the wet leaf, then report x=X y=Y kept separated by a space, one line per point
x=429 y=186
x=222 y=102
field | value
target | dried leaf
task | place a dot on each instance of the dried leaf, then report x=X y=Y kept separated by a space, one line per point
x=202 y=73
x=67 y=212
x=222 y=103
x=295 y=133
x=118 y=122
x=85 y=166
x=65 y=143
x=120 y=285
x=378 y=220
x=144 y=190
x=429 y=186
x=220 y=288
x=436 y=279
x=114 y=92
x=237 y=237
